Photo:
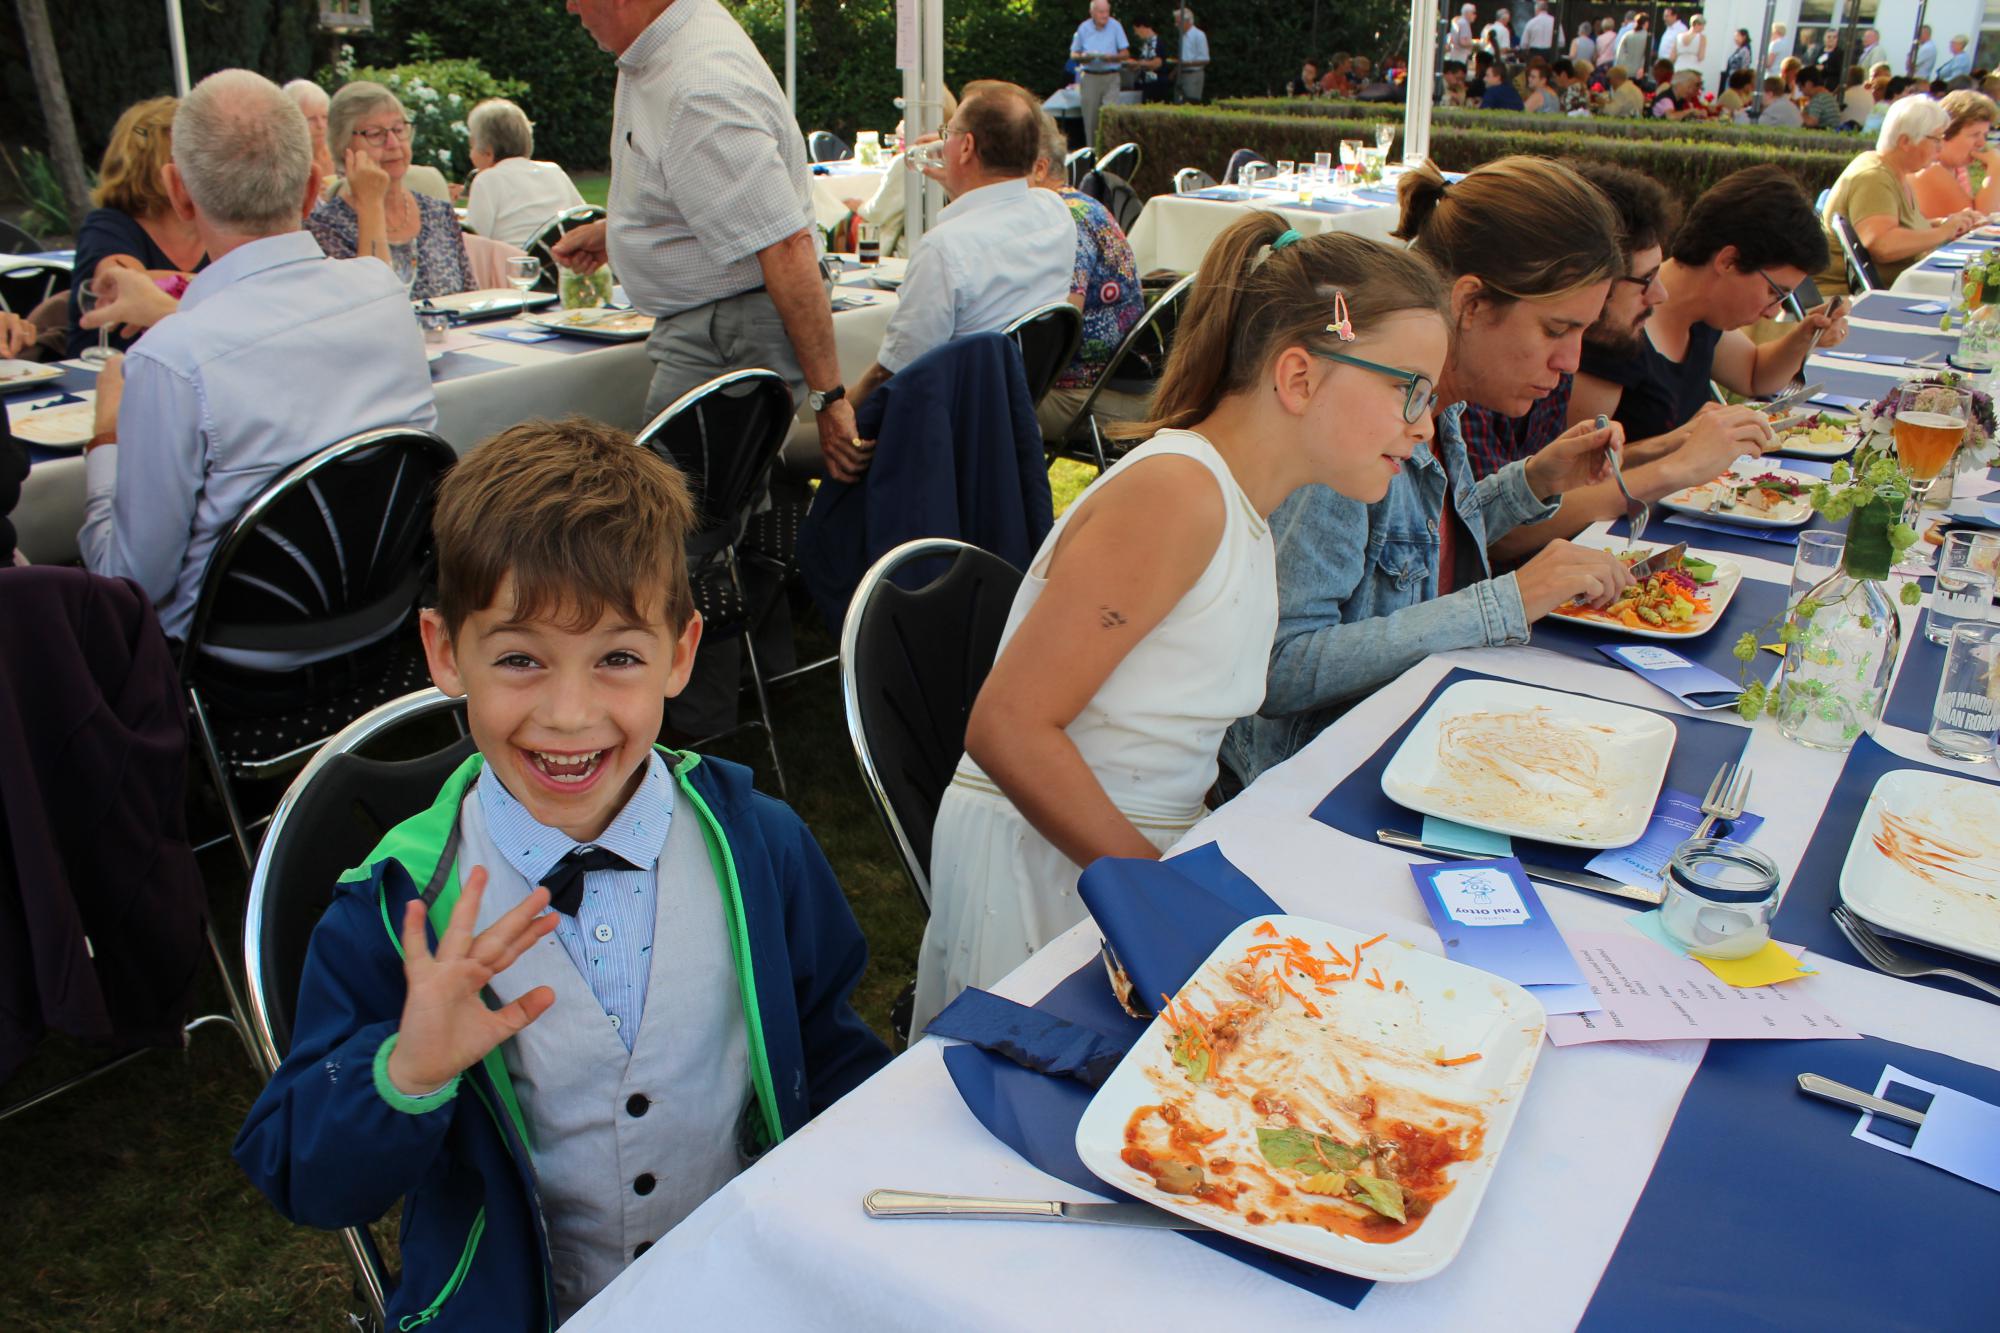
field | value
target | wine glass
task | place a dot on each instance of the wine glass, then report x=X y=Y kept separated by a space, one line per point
x=1930 y=425
x=403 y=261
x=88 y=299
x=1284 y=170
x=523 y=272
x=1385 y=138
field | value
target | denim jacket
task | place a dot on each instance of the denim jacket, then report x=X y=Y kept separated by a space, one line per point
x=1358 y=591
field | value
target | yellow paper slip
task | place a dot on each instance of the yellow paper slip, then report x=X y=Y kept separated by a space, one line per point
x=1768 y=966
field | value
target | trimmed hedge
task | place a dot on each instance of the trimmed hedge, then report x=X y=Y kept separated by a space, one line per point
x=1172 y=137
x=1621 y=127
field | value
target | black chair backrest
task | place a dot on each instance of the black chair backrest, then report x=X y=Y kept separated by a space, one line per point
x=1860 y=266
x=330 y=819
x=1136 y=364
x=26 y=283
x=1077 y=165
x=14 y=241
x=557 y=227
x=1239 y=159
x=1048 y=339
x=826 y=146
x=723 y=436
x=1121 y=161
x=912 y=660
x=1120 y=200
x=337 y=550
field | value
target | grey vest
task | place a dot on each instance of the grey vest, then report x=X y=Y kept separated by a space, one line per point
x=625 y=1145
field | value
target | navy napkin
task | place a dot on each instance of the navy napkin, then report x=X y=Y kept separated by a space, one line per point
x=1162 y=919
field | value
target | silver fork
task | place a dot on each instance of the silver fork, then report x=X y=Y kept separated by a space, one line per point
x=1637 y=512
x=1882 y=958
x=1726 y=796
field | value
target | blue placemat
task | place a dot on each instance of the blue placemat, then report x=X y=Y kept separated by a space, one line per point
x=1753 y=610
x=1357 y=806
x=1915 y=690
x=1778 y=544
x=1894 y=308
x=1869 y=384
x=463 y=365
x=1903 y=342
x=1806 y=914
x=1763 y=1212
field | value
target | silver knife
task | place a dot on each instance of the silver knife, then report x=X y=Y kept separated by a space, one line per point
x=1658 y=560
x=1819 y=1085
x=1575 y=879
x=902 y=1203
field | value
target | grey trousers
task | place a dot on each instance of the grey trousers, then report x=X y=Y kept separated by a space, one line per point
x=688 y=350
x=1095 y=89
x=1187 y=84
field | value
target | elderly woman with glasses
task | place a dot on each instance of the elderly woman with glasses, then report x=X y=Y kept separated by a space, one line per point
x=1875 y=195
x=372 y=211
x=133 y=224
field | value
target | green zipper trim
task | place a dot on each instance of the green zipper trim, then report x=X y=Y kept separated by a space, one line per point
x=418 y=842
x=451 y=1286
x=723 y=862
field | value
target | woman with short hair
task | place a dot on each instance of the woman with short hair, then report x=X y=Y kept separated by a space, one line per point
x=133 y=224
x=1874 y=194
x=312 y=101
x=373 y=212
x=514 y=196
x=1945 y=187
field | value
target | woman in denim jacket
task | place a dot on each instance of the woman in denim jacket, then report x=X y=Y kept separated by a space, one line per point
x=1362 y=595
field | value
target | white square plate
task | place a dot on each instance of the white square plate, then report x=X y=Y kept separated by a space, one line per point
x=1313 y=1074
x=1558 y=768
x=67 y=426
x=1701 y=500
x=1794 y=434
x=1728 y=574
x=493 y=302
x=19 y=374
x=1925 y=861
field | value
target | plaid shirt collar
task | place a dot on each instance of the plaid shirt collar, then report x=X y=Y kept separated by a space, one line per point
x=1493 y=441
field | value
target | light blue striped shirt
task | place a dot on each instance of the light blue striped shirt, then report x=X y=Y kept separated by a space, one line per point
x=1100 y=45
x=610 y=939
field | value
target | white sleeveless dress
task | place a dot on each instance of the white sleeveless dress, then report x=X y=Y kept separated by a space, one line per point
x=999 y=890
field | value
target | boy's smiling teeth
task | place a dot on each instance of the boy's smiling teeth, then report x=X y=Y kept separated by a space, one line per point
x=566 y=767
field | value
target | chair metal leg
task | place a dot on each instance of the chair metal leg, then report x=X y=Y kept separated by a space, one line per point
x=1097 y=445
x=367 y=1261
x=218 y=769
x=757 y=684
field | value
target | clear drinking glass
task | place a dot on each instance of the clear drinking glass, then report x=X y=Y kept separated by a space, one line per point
x=403 y=260
x=1965 y=722
x=87 y=300
x=1965 y=574
x=523 y=272
x=1721 y=895
x=1322 y=166
x=1284 y=168
x=1385 y=137
x=1350 y=154
x=1817 y=559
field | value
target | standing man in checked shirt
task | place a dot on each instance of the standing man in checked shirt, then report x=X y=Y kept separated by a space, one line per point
x=711 y=226
x=1192 y=71
x=1100 y=51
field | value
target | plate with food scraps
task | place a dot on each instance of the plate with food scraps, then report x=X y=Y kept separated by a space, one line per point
x=1560 y=768
x=605 y=322
x=1925 y=861
x=1684 y=602
x=1814 y=434
x=1750 y=493
x=492 y=302
x=21 y=374
x=1336 y=1099
x=64 y=426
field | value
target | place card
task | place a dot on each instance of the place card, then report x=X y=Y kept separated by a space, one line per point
x=518 y=335
x=1692 y=683
x=1926 y=308
x=1960 y=1134
x=1489 y=916
x=1645 y=992
x=1465 y=838
x=1676 y=815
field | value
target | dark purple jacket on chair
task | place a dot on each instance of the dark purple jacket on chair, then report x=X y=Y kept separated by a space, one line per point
x=101 y=906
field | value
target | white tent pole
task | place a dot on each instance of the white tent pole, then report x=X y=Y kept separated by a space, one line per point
x=1418 y=91
x=932 y=65
x=791 y=55
x=177 y=44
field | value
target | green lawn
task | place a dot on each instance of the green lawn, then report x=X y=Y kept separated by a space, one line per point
x=122 y=1209
x=594 y=186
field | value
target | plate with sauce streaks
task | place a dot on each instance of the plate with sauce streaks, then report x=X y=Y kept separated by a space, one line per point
x=1925 y=861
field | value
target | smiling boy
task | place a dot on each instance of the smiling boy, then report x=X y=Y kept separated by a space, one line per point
x=574 y=997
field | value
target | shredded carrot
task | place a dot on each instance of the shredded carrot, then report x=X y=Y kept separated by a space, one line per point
x=1312 y=1010
x=1267 y=930
x=1369 y=944
x=1338 y=956
x=1399 y=987
x=1375 y=980
x=1461 y=1059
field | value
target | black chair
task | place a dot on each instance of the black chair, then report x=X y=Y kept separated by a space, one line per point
x=14 y=241
x=724 y=436
x=1048 y=339
x=1120 y=200
x=1189 y=179
x=333 y=556
x=1121 y=161
x=1240 y=159
x=26 y=283
x=826 y=146
x=1133 y=368
x=557 y=227
x=912 y=660
x=1862 y=275
x=330 y=818
x=1078 y=164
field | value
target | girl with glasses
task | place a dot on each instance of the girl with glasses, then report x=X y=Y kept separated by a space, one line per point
x=1367 y=589
x=1143 y=625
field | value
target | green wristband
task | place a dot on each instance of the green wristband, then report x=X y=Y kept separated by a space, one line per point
x=401 y=1100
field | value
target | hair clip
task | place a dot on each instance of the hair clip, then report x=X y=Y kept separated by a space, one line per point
x=1342 y=327
x=1286 y=238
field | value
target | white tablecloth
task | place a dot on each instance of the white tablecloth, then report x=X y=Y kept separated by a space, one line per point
x=1174 y=231
x=1916 y=280
x=843 y=181
x=787 y=1245
x=607 y=382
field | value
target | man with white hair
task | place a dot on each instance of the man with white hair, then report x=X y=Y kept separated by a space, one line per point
x=1191 y=71
x=1464 y=35
x=1871 y=49
x=1538 y=34
x=275 y=353
x=1957 y=65
x=1099 y=49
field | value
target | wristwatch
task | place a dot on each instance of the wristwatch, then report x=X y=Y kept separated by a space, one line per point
x=819 y=401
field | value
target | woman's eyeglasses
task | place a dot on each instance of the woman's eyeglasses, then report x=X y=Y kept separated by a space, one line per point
x=1419 y=393
x=380 y=135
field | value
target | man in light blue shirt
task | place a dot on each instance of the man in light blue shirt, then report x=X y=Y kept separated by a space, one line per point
x=1923 y=56
x=1957 y=65
x=275 y=353
x=1100 y=51
x=1192 y=71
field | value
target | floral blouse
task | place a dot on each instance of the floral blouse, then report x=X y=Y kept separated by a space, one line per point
x=1107 y=277
x=439 y=247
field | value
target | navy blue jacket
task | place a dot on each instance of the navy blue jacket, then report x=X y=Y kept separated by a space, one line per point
x=958 y=454
x=329 y=1149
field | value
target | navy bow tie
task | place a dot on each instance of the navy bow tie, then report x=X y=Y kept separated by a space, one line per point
x=565 y=880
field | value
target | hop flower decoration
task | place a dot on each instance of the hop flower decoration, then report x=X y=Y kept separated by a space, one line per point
x=1876 y=423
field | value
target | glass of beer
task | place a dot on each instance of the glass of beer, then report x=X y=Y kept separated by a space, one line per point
x=1930 y=425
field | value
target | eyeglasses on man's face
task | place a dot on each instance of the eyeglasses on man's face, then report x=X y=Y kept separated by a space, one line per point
x=1644 y=281
x=1419 y=391
x=381 y=134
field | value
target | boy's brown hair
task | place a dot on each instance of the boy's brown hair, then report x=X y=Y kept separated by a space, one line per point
x=583 y=519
